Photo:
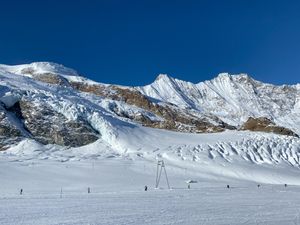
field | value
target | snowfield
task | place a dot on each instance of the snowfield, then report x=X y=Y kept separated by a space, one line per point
x=117 y=196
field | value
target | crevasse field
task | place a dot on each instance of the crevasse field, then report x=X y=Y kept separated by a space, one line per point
x=55 y=181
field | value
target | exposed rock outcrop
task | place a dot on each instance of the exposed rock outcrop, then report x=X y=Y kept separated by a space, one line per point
x=46 y=77
x=51 y=78
x=50 y=127
x=266 y=125
x=9 y=134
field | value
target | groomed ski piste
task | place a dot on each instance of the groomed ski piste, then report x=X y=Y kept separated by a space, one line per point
x=55 y=179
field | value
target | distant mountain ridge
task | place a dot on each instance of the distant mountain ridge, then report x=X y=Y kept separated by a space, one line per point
x=233 y=98
x=53 y=104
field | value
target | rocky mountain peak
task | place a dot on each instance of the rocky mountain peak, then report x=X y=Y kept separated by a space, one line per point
x=163 y=78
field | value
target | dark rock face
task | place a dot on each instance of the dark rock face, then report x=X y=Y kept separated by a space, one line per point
x=9 y=134
x=100 y=90
x=43 y=124
x=7 y=129
x=266 y=125
x=50 y=127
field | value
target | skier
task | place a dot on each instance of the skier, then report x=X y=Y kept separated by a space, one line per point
x=21 y=191
x=89 y=190
x=189 y=186
x=146 y=188
x=228 y=186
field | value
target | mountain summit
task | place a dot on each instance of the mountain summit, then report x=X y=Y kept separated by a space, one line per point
x=39 y=68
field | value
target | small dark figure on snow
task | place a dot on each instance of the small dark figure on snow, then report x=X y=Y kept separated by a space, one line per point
x=189 y=186
x=146 y=188
x=228 y=186
x=89 y=190
x=21 y=191
x=258 y=185
x=285 y=185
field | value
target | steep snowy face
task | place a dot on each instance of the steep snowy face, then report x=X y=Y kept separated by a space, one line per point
x=177 y=92
x=232 y=98
x=242 y=97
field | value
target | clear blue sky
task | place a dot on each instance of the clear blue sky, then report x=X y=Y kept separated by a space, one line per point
x=130 y=42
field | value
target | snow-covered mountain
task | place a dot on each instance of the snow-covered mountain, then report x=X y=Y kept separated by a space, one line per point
x=34 y=97
x=59 y=94
x=232 y=98
x=50 y=111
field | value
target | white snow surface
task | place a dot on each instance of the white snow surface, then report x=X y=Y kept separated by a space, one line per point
x=56 y=193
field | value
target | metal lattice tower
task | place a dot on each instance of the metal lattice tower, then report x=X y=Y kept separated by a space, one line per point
x=161 y=166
